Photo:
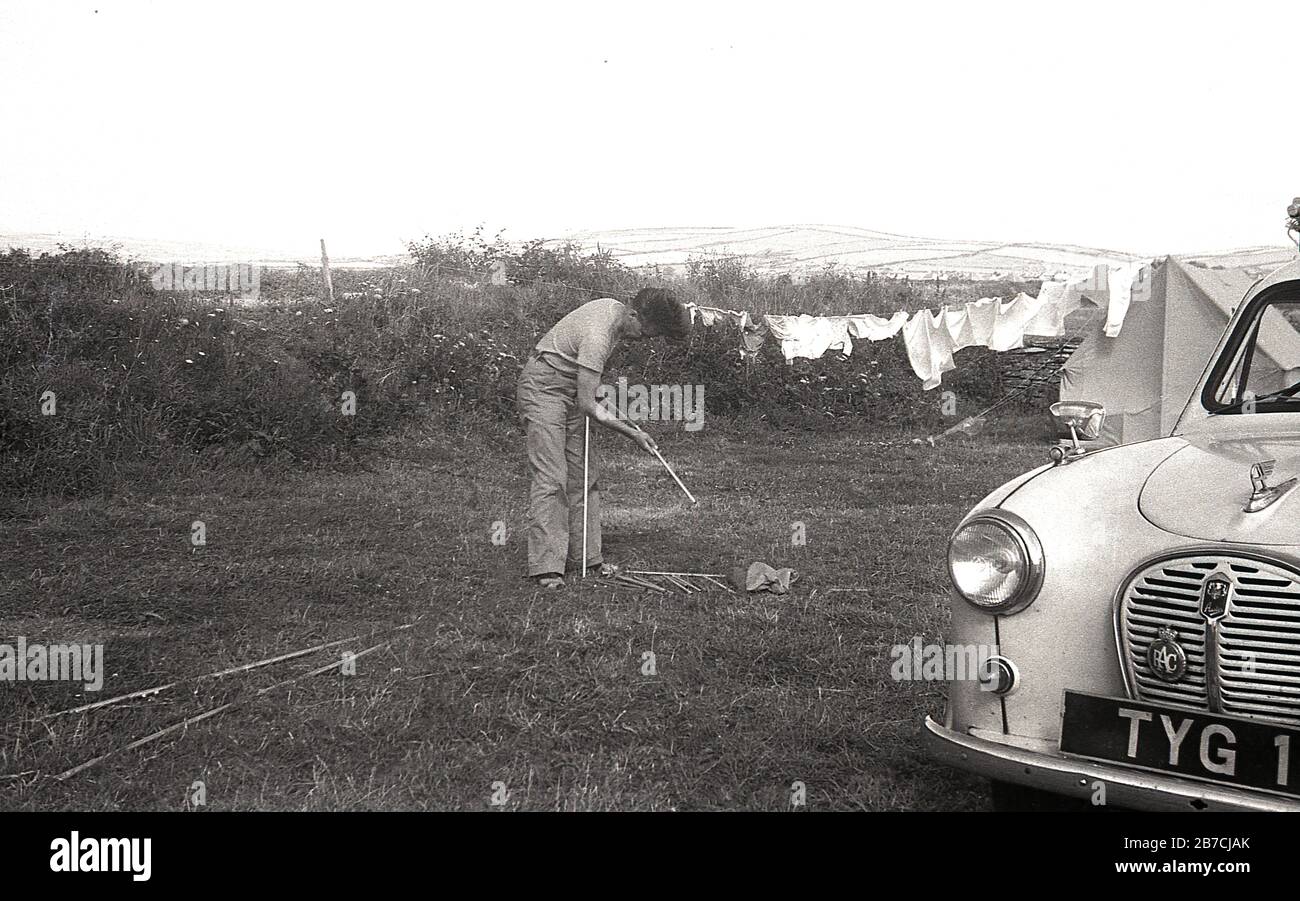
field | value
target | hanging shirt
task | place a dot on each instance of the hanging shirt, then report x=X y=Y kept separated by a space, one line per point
x=874 y=328
x=752 y=332
x=929 y=347
x=1127 y=283
x=1013 y=316
x=808 y=336
x=1050 y=321
x=971 y=325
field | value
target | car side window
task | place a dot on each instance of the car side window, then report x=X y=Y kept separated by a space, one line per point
x=1265 y=363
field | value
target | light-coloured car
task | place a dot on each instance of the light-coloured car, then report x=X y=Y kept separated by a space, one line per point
x=1142 y=602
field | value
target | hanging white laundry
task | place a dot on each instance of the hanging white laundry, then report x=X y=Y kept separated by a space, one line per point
x=1013 y=316
x=1142 y=282
x=710 y=316
x=1129 y=282
x=983 y=316
x=1050 y=321
x=808 y=336
x=874 y=328
x=957 y=321
x=1093 y=286
x=929 y=347
x=971 y=325
x=1095 y=282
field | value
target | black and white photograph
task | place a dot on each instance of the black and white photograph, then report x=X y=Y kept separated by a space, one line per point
x=416 y=413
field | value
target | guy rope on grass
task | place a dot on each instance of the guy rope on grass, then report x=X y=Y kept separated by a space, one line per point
x=198 y=718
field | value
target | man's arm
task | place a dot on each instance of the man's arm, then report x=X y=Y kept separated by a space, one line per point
x=588 y=382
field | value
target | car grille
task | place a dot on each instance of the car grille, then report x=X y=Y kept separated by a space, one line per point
x=1245 y=662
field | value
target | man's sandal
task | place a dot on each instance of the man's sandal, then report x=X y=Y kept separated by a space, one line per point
x=549 y=581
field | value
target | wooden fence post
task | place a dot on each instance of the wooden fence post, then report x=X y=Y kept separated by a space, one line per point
x=325 y=269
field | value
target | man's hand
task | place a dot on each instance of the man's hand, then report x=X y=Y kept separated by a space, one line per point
x=647 y=443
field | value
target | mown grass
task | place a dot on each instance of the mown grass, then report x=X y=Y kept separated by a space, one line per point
x=495 y=682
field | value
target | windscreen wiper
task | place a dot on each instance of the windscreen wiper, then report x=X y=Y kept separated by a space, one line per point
x=1290 y=391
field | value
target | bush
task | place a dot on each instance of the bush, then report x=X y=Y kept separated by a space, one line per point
x=459 y=254
x=139 y=377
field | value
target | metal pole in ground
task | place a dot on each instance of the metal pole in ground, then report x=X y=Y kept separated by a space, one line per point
x=586 y=448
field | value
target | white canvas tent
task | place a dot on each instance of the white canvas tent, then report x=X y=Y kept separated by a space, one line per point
x=1145 y=375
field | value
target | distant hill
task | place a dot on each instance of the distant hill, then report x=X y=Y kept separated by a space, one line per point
x=163 y=251
x=774 y=249
x=795 y=248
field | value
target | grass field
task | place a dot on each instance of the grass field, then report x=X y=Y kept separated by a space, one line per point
x=495 y=682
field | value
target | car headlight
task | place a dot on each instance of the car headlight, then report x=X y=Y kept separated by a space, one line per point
x=995 y=562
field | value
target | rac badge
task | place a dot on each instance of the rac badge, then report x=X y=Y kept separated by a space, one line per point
x=1166 y=657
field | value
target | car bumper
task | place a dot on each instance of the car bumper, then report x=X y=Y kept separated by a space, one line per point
x=1075 y=778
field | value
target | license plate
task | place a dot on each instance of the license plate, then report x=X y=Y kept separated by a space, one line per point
x=1226 y=749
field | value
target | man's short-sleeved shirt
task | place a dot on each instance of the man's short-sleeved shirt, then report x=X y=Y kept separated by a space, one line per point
x=583 y=338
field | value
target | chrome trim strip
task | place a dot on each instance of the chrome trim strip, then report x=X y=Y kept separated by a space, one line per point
x=1213 y=690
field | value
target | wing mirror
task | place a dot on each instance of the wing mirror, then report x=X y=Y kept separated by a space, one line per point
x=1084 y=419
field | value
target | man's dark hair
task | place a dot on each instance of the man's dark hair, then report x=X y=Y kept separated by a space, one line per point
x=669 y=316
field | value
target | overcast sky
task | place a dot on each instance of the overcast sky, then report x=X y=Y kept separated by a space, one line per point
x=1142 y=126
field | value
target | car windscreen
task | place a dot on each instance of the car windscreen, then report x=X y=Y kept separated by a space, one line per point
x=1259 y=371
